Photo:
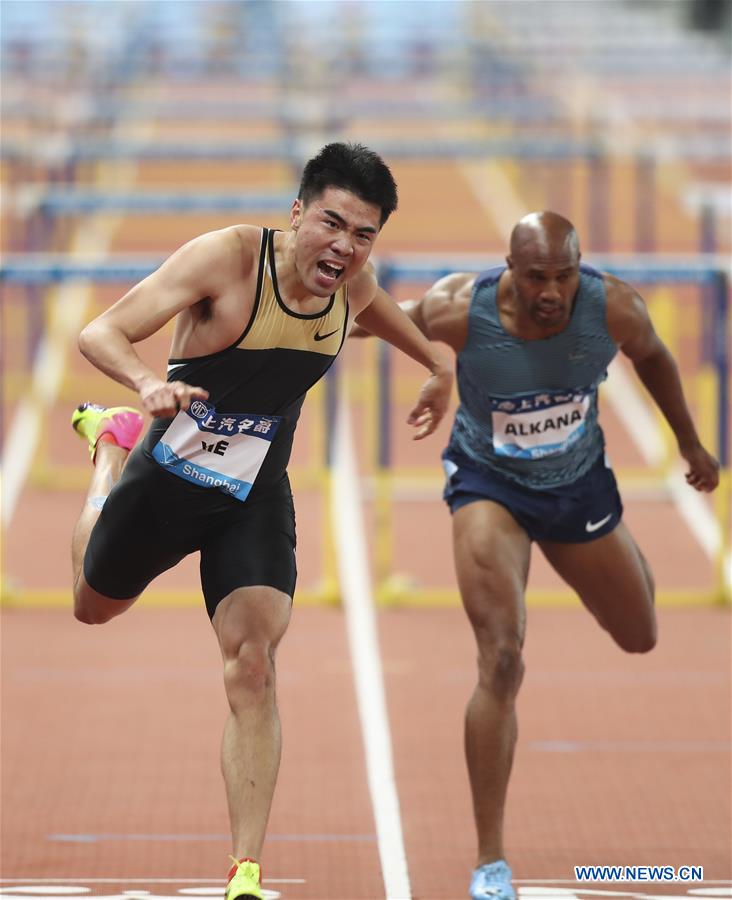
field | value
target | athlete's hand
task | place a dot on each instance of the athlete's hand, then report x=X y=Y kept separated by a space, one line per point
x=432 y=403
x=703 y=471
x=166 y=398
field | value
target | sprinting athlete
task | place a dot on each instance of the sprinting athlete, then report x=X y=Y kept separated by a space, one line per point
x=260 y=316
x=526 y=462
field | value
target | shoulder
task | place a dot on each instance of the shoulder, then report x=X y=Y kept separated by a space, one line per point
x=445 y=306
x=241 y=244
x=362 y=288
x=454 y=286
x=622 y=300
x=625 y=310
x=449 y=295
x=228 y=253
x=590 y=274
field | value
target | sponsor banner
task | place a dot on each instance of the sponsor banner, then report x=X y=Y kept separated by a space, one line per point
x=218 y=450
x=212 y=422
x=539 y=425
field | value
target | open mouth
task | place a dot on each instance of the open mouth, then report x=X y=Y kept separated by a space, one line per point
x=331 y=271
x=549 y=310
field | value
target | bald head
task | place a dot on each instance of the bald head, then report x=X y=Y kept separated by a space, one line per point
x=543 y=235
x=544 y=270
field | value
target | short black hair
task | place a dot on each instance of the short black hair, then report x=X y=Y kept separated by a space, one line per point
x=351 y=167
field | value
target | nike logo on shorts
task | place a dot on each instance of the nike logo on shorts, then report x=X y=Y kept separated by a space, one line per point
x=322 y=337
x=593 y=526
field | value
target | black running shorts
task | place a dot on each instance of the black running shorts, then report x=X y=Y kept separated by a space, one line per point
x=574 y=513
x=152 y=519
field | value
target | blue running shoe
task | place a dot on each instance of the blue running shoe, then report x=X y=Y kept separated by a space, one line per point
x=492 y=881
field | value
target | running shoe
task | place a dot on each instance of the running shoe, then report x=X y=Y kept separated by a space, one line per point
x=244 y=881
x=492 y=881
x=123 y=423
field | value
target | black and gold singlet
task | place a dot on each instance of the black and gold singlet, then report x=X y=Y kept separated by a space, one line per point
x=269 y=369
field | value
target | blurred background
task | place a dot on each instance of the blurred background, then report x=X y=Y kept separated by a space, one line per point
x=129 y=127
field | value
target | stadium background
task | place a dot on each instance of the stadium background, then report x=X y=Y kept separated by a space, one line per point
x=130 y=127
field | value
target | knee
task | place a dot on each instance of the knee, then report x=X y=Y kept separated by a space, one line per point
x=87 y=617
x=640 y=641
x=89 y=613
x=249 y=673
x=639 y=633
x=92 y=608
x=501 y=668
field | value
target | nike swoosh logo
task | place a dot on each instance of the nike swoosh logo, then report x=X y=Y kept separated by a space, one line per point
x=593 y=526
x=322 y=337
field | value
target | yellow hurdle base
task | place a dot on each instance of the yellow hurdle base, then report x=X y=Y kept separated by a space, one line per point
x=386 y=596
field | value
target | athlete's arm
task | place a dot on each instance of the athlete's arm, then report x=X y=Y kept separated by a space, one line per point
x=201 y=268
x=412 y=309
x=441 y=314
x=631 y=328
x=381 y=316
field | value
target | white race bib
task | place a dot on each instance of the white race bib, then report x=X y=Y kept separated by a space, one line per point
x=539 y=425
x=216 y=450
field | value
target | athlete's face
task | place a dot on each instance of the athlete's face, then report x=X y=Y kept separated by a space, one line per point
x=545 y=283
x=334 y=236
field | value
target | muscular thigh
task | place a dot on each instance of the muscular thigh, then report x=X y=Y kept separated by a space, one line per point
x=253 y=546
x=492 y=553
x=612 y=579
x=144 y=528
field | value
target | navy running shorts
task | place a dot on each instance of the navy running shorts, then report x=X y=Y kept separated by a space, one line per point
x=574 y=513
x=152 y=519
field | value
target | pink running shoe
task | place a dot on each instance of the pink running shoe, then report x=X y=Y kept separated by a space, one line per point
x=123 y=423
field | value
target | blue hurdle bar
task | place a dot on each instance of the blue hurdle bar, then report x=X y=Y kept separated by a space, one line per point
x=72 y=201
x=712 y=271
x=292 y=150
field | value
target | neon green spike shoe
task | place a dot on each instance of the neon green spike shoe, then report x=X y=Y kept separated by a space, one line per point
x=244 y=881
x=123 y=423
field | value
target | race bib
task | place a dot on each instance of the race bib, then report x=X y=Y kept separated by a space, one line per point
x=539 y=425
x=216 y=450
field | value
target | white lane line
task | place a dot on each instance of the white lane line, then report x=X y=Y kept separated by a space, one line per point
x=495 y=193
x=641 y=423
x=123 y=879
x=68 y=305
x=37 y=891
x=81 y=838
x=355 y=581
x=727 y=886
x=635 y=413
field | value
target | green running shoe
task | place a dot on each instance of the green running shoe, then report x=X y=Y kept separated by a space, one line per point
x=244 y=881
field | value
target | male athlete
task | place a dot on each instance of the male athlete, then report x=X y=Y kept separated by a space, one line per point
x=526 y=462
x=260 y=316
